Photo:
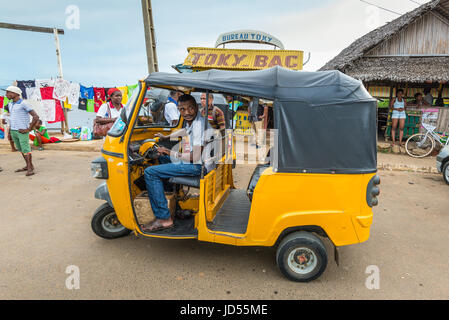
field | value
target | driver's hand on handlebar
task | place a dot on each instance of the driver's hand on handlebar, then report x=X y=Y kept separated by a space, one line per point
x=160 y=136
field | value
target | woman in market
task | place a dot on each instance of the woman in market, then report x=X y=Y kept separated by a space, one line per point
x=398 y=105
x=419 y=101
x=108 y=113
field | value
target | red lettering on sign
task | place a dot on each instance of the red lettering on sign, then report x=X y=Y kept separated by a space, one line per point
x=260 y=61
x=276 y=61
x=210 y=59
x=197 y=57
x=222 y=61
x=288 y=61
x=238 y=59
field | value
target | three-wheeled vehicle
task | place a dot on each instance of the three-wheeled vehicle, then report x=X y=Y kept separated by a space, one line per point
x=320 y=183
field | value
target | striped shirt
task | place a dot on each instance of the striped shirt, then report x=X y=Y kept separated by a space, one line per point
x=216 y=118
x=19 y=114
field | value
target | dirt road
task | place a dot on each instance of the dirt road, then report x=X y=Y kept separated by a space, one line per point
x=45 y=224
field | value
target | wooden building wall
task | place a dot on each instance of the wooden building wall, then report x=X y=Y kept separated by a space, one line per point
x=428 y=35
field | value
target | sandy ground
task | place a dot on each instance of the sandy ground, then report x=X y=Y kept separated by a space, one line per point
x=46 y=228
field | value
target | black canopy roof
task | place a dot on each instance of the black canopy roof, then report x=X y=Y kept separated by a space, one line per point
x=325 y=87
x=326 y=120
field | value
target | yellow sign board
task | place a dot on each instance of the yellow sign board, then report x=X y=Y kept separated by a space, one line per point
x=238 y=59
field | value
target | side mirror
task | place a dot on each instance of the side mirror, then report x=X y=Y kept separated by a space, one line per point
x=123 y=116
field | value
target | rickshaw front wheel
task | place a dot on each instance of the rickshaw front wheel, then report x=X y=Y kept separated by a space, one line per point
x=105 y=223
x=301 y=257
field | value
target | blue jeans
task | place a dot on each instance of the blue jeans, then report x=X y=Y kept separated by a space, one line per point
x=154 y=176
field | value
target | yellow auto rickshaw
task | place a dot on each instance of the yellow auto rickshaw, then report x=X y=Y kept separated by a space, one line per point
x=319 y=180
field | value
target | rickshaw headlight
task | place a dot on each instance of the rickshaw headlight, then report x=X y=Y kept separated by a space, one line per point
x=99 y=168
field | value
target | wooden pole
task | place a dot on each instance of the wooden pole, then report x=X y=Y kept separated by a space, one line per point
x=149 y=36
x=55 y=31
x=23 y=27
x=64 y=124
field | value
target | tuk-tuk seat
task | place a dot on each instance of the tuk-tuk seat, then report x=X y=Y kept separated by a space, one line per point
x=193 y=182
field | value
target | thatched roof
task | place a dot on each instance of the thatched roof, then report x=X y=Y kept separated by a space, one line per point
x=400 y=69
x=349 y=60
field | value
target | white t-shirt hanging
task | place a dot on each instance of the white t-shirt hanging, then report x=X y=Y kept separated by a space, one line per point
x=34 y=94
x=39 y=108
x=44 y=83
x=74 y=93
x=104 y=111
x=61 y=90
x=49 y=109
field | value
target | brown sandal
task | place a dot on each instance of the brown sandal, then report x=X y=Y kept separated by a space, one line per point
x=156 y=225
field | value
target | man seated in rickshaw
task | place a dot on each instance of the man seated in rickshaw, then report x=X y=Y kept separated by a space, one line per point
x=187 y=163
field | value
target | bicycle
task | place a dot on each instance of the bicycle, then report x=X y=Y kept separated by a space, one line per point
x=420 y=145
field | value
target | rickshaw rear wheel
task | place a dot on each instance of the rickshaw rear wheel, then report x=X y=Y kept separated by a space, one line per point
x=301 y=257
x=105 y=223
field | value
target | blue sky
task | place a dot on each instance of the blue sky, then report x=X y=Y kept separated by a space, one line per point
x=109 y=47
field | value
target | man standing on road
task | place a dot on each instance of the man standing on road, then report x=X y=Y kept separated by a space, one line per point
x=20 y=126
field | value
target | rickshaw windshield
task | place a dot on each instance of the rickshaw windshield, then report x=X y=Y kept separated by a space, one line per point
x=120 y=126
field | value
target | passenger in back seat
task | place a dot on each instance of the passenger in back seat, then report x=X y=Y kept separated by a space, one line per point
x=176 y=164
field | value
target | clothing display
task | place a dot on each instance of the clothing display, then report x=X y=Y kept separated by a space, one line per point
x=43 y=83
x=34 y=94
x=46 y=93
x=49 y=110
x=106 y=90
x=61 y=89
x=124 y=91
x=86 y=93
x=5 y=101
x=74 y=94
x=99 y=94
x=90 y=105
x=59 y=113
x=82 y=104
x=67 y=105
x=55 y=95
x=100 y=98
x=131 y=90
x=24 y=85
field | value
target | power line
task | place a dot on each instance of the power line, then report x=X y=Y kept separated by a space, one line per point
x=375 y=5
